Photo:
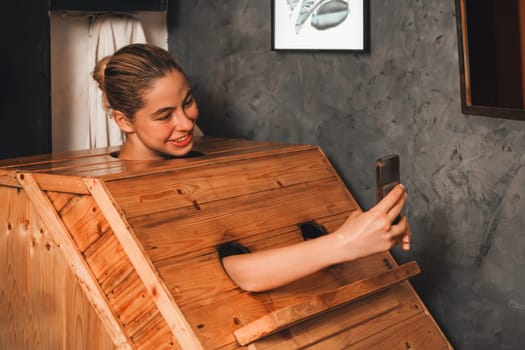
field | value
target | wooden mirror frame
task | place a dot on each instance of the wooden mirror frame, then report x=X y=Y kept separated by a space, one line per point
x=464 y=69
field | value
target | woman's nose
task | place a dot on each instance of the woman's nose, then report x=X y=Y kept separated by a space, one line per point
x=183 y=122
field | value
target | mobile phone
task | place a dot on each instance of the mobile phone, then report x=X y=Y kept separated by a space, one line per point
x=387 y=177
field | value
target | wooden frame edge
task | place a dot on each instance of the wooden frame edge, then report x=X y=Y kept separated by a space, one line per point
x=79 y=267
x=144 y=267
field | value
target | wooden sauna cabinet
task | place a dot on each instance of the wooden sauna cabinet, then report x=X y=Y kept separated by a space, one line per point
x=98 y=253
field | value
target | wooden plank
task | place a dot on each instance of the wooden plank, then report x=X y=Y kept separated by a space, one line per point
x=68 y=165
x=336 y=324
x=8 y=178
x=80 y=315
x=84 y=220
x=42 y=304
x=60 y=183
x=190 y=231
x=138 y=168
x=150 y=338
x=201 y=288
x=127 y=295
x=60 y=199
x=417 y=332
x=154 y=285
x=20 y=162
x=205 y=144
x=214 y=323
x=74 y=258
x=215 y=307
x=176 y=188
x=199 y=280
x=108 y=262
x=216 y=145
x=133 y=305
x=290 y=315
x=115 y=169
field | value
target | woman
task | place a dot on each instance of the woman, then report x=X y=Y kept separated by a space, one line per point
x=148 y=95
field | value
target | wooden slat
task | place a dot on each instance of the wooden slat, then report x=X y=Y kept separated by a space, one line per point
x=82 y=217
x=215 y=323
x=127 y=295
x=337 y=323
x=154 y=285
x=198 y=280
x=98 y=162
x=58 y=183
x=74 y=258
x=150 y=338
x=290 y=315
x=417 y=332
x=60 y=199
x=185 y=232
x=344 y=326
x=172 y=189
x=42 y=305
x=108 y=261
x=20 y=162
x=134 y=169
x=216 y=145
x=68 y=165
x=8 y=178
x=134 y=306
x=208 y=298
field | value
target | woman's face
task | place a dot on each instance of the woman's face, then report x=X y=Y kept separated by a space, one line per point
x=164 y=126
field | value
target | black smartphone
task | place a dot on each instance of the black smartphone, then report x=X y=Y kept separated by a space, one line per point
x=387 y=177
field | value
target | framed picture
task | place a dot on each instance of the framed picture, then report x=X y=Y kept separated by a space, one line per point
x=320 y=25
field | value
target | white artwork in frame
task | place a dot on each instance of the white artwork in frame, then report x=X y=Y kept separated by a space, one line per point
x=327 y=25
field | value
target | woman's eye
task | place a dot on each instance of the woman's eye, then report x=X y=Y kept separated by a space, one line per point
x=188 y=102
x=165 y=117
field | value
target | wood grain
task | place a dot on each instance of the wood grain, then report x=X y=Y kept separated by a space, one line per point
x=139 y=240
x=133 y=307
x=173 y=189
x=287 y=316
x=191 y=231
x=83 y=217
x=72 y=255
x=42 y=304
x=154 y=286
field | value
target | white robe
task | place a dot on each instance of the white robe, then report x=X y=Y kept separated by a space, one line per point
x=107 y=34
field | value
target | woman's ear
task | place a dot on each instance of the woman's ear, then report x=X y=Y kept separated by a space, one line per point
x=123 y=122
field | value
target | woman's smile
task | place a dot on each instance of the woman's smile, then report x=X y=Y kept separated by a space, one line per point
x=181 y=141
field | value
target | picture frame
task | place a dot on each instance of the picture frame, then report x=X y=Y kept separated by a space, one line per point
x=320 y=25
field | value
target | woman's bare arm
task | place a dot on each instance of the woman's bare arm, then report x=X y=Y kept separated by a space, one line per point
x=362 y=234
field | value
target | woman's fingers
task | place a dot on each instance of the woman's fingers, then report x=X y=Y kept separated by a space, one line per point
x=401 y=234
x=392 y=198
x=396 y=209
x=392 y=203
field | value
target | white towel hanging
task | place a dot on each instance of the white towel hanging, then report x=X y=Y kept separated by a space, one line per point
x=108 y=33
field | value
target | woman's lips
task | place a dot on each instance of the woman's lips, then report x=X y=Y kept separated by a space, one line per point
x=182 y=141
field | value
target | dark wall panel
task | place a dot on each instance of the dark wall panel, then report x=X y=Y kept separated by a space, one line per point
x=25 y=124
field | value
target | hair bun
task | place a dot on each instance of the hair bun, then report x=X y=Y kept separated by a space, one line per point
x=98 y=75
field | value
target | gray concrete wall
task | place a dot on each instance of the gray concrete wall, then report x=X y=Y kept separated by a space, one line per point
x=464 y=174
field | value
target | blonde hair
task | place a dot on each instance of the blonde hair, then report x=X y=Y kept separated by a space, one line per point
x=128 y=73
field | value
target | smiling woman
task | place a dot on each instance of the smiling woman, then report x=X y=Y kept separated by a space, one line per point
x=148 y=95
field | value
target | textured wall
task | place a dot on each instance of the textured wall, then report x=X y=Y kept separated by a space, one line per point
x=464 y=174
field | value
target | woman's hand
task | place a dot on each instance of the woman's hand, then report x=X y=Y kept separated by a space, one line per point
x=366 y=233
